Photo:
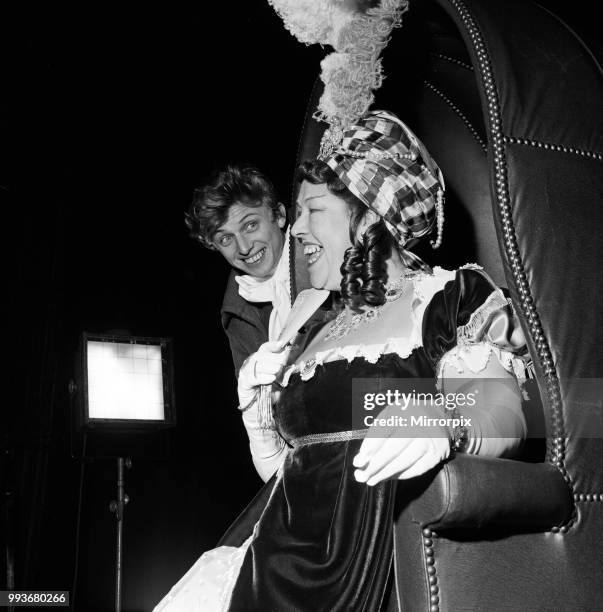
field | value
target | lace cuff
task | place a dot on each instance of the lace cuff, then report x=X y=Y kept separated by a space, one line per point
x=493 y=322
x=491 y=328
x=475 y=357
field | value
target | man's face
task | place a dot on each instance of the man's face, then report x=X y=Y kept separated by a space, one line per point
x=252 y=240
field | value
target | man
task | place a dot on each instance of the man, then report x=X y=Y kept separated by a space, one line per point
x=237 y=214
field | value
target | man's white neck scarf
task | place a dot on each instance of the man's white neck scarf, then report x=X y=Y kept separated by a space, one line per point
x=275 y=289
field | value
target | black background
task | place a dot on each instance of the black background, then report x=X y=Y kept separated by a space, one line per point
x=113 y=116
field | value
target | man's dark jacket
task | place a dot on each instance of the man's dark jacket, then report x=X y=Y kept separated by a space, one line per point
x=245 y=323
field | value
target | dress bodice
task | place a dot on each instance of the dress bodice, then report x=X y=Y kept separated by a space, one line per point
x=458 y=317
x=328 y=402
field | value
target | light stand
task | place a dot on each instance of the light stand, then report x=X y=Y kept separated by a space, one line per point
x=118 y=508
x=126 y=392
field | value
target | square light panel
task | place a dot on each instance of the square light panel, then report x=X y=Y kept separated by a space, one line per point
x=127 y=379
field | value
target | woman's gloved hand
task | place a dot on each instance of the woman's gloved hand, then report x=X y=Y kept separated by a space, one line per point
x=260 y=368
x=400 y=451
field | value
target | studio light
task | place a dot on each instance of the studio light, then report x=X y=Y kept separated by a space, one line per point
x=122 y=403
x=127 y=382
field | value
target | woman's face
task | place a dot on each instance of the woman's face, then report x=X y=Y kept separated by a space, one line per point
x=322 y=226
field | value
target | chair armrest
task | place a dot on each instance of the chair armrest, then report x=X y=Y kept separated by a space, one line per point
x=479 y=492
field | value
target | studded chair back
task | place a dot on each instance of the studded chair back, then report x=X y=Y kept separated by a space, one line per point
x=510 y=104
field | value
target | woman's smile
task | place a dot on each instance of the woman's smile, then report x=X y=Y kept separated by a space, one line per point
x=312 y=253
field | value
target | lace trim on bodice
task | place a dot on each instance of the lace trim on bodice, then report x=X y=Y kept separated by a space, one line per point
x=371 y=352
x=425 y=286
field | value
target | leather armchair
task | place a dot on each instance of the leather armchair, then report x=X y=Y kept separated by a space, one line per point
x=510 y=104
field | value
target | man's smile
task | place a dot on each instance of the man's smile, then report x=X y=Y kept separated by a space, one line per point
x=255 y=258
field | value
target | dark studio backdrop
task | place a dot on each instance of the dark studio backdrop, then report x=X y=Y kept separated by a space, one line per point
x=112 y=116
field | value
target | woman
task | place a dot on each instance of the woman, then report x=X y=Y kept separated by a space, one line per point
x=324 y=539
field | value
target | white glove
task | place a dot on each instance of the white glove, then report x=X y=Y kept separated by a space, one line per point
x=394 y=452
x=267 y=448
x=260 y=368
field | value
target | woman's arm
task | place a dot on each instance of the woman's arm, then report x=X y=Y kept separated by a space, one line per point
x=497 y=426
x=261 y=368
x=267 y=448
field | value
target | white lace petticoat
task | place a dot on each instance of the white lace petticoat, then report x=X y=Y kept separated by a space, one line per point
x=208 y=584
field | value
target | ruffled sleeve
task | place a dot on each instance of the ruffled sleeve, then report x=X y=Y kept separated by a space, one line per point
x=468 y=321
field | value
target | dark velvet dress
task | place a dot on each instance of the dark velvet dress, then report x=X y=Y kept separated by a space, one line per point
x=324 y=540
x=314 y=538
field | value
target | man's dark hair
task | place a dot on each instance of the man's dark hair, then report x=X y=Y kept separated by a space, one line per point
x=235 y=184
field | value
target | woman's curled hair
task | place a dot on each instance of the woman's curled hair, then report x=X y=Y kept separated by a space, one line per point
x=364 y=268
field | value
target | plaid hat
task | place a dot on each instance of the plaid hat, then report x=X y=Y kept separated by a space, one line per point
x=389 y=170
